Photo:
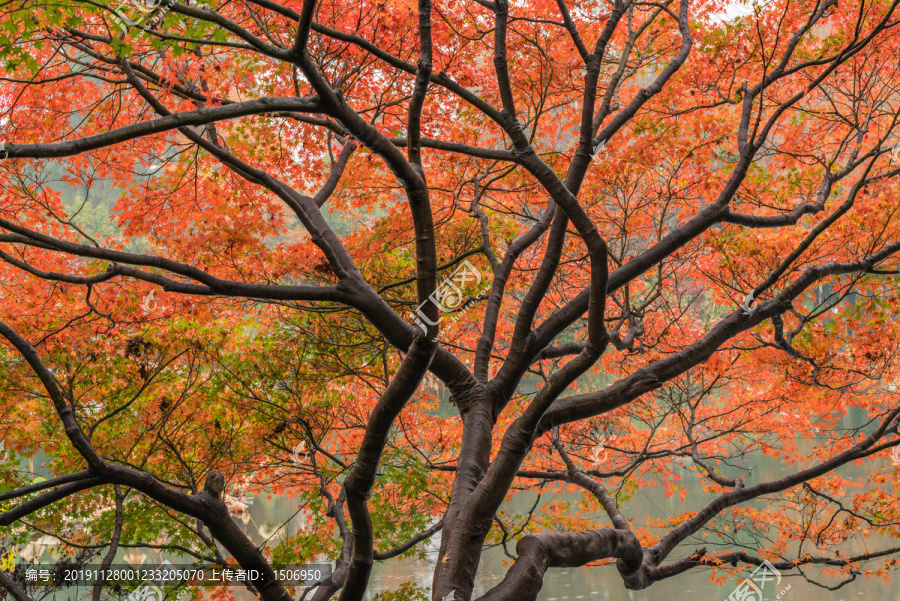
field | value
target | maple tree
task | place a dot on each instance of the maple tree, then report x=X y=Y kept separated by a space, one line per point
x=248 y=246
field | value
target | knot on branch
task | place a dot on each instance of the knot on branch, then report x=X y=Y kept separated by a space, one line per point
x=215 y=484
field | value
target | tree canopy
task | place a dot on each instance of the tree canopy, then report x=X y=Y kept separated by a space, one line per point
x=409 y=262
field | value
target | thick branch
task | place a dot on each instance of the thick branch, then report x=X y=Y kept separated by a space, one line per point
x=167 y=123
x=361 y=478
x=25 y=490
x=537 y=552
x=57 y=494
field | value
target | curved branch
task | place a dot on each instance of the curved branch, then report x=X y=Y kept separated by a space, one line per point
x=10 y=585
x=652 y=376
x=863 y=449
x=39 y=486
x=424 y=535
x=48 y=498
x=212 y=284
x=206 y=505
x=537 y=552
x=358 y=483
x=154 y=126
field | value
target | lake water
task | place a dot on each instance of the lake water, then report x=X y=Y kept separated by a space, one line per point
x=604 y=583
x=265 y=517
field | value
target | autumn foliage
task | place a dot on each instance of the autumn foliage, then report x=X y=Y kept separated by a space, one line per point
x=222 y=222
